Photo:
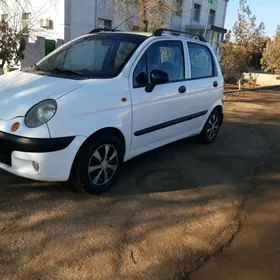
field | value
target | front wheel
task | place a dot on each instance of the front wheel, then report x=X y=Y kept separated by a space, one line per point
x=211 y=127
x=97 y=166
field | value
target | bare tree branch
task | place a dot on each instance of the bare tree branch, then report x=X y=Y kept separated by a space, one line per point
x=12 y=31
x=151 y=14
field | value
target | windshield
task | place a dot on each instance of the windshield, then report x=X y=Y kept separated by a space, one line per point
x=103 y=55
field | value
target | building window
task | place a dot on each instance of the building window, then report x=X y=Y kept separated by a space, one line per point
x=211 y=19
x=179 y=5
x=104 y=23
x=25 y=22
x=4 y=18
x=196 y=12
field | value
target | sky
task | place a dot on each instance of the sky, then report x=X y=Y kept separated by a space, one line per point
x=265 y=10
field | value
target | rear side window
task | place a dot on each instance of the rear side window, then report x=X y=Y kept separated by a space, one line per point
x=202 y=63
x=166 y=56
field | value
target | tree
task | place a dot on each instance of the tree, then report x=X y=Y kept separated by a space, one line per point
x=234 y=59
x=19 y=19
x=271 y=54
x=12 y=45
x=248 y=39
x=151 y=14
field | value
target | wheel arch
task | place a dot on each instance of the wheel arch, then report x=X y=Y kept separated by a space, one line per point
x=220 y=109
x=107 y=131
x=218 y=105
x=103 y=131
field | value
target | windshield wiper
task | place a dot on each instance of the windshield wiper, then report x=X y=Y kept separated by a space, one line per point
x=65 y=70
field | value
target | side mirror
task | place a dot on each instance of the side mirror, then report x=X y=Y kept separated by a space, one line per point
x=157 y=77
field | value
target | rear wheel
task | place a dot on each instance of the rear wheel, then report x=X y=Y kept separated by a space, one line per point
x=97 y=165
x=211 y=127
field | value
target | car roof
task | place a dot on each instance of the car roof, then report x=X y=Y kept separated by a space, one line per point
x=146 y=35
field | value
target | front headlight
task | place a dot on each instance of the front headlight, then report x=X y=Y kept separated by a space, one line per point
x=41 y=113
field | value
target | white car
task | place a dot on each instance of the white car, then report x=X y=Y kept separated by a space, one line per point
x=103 y=99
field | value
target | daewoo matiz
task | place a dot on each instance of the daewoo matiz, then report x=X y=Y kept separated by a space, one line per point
x=103 y=99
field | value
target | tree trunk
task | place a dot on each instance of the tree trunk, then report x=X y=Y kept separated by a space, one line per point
x=239 y=84
x=1 y=67
x=142 y=4
x=3 y=63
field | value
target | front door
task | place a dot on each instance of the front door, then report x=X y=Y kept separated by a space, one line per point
x=160 y=114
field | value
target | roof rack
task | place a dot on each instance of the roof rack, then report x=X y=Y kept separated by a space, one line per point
x=97 y=30
x=159 y=32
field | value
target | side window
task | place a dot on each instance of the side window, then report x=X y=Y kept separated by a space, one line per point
x=166 y=56
x=140 y=77
x=202 y=64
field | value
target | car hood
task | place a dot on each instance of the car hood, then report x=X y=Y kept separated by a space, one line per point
x=19 y=91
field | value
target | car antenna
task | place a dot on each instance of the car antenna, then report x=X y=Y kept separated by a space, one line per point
x=114 y=29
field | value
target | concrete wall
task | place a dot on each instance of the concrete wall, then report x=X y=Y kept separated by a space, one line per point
x=264 y=79
x=35 y=51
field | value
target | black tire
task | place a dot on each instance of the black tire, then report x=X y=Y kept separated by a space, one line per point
x=211 y=127
x=84 y=181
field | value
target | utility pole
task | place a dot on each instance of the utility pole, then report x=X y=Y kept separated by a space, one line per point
x=208 y=12
x=95 y=14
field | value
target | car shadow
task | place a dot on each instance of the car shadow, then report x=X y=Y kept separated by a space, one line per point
x=186 y=164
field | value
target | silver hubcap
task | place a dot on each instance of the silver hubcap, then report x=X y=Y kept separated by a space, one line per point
x=103 y=164
x=213 y=126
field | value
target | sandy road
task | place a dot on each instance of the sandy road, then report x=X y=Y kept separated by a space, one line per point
x=172 y=208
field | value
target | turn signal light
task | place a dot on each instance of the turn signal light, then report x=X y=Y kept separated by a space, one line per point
x=15 y=126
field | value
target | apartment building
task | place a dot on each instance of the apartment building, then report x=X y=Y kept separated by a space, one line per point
x=67 y=19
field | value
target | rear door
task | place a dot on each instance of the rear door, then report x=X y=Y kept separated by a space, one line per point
x=159 y=115
x=204 y=83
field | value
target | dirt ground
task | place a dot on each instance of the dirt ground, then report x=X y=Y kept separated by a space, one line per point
x=171 y=211
x=255 y=251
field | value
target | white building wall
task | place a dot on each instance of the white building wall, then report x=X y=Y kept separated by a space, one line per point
x=84 y=16
x=46 y=9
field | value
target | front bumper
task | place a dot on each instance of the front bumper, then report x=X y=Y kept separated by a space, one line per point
x=10 y=143
x=54 y=156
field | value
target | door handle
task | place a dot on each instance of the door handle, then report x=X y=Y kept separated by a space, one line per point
x=215 y=84
x=182 y=89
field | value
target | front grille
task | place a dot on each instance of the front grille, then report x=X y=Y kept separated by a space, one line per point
x=5 y=159
x=5 y=153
